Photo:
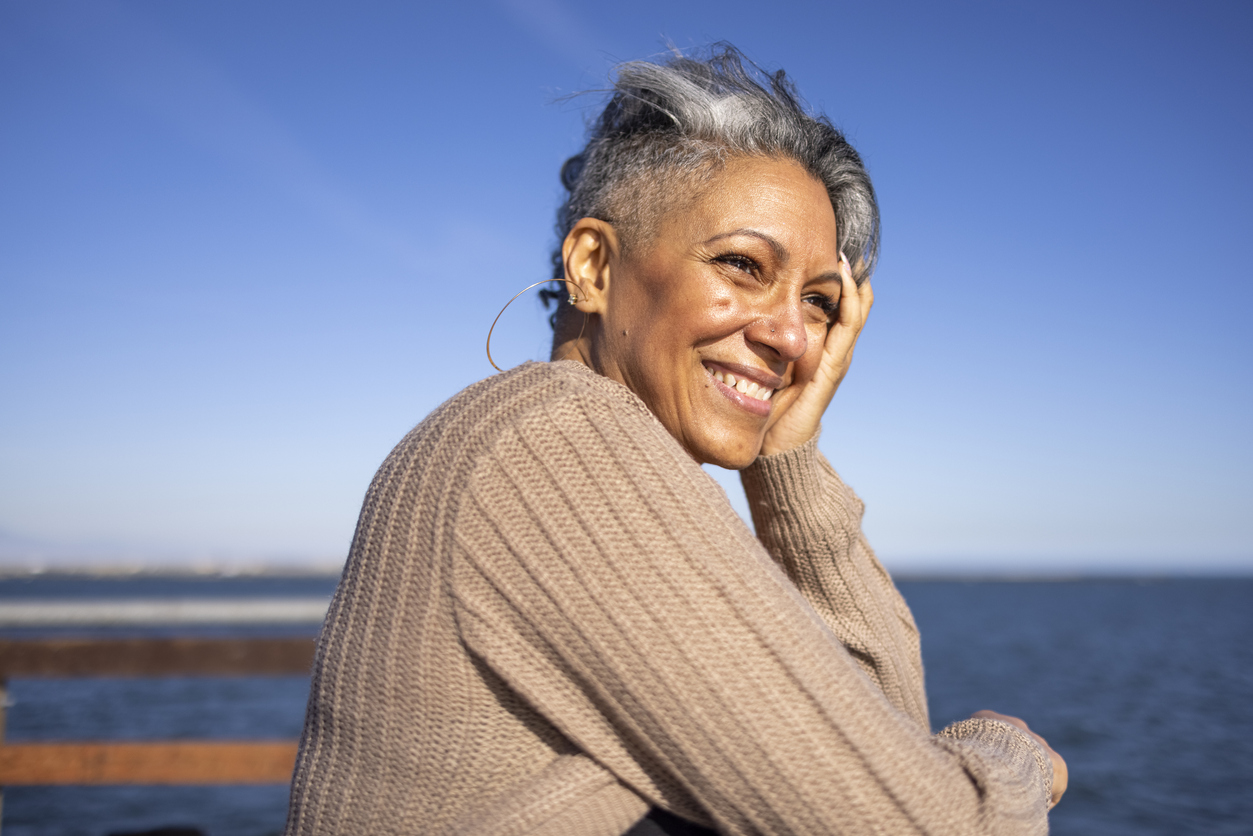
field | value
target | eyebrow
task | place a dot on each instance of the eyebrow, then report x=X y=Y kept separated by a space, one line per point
x=780 y=251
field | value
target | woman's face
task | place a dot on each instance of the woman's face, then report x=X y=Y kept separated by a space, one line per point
x=720 y=320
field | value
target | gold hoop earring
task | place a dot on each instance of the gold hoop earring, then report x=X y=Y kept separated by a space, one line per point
x=573 y=300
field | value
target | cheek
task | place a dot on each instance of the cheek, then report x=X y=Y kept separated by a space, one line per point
x=686 y=321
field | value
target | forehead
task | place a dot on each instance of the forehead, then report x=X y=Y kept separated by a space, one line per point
x=773 y=196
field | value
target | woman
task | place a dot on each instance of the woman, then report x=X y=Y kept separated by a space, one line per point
x=552 y=621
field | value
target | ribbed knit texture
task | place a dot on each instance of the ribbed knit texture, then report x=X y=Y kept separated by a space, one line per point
x=551 y=619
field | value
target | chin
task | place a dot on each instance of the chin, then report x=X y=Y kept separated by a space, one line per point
x=730 y=455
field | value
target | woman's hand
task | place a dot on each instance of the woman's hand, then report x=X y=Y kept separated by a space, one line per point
x=1061 y=775
x=800 y=420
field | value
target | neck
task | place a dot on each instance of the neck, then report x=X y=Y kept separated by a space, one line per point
x=573 y=339
x=576 y=350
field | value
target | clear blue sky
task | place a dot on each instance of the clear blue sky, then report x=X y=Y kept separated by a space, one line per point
x=244 y=247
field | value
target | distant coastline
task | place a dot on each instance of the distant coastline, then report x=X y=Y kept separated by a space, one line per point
x=958 y=573
x=175 y=571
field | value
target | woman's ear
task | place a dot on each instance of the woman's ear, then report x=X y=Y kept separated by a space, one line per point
x=588 y=251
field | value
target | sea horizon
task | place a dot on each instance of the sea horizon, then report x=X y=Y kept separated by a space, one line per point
x=1013 y=570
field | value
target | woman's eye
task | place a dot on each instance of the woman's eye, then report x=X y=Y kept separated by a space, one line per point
x=828 y=305
x=739 y=262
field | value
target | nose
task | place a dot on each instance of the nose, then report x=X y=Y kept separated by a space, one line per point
x=781 y=329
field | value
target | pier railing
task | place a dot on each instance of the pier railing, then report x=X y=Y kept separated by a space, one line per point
x=159 y=762
x=149 y=762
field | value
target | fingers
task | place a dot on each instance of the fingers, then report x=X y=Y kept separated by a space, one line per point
x=855 y=302
x=1004 y=718
x=850 y=314
x=1061 y=774
x=854 y=306
x=1061 y=777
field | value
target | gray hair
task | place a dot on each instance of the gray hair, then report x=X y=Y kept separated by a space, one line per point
x=681 y=120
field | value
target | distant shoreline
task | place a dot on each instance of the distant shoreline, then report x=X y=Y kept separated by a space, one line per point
x=173 y=572
x=957 y=574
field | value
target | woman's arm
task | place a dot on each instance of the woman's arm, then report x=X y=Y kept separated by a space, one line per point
x=810 y=522
x=604 y=577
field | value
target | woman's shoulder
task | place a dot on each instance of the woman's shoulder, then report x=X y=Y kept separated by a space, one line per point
x=532 y=389
x=523 y=399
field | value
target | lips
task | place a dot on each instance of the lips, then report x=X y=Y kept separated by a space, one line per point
x=748 y=388
x=743 y=385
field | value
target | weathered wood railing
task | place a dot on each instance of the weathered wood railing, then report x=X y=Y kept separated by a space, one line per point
x=181 y=762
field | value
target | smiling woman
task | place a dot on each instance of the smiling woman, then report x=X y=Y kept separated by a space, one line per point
x=721 y=323
x=552 y=621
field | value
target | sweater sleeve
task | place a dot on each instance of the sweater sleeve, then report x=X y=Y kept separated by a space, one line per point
x=810 y=522
x=603 y=576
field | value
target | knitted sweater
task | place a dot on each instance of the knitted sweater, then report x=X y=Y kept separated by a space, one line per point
x=552 y=619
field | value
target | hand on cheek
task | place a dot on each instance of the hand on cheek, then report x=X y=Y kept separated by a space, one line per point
x=800 y=419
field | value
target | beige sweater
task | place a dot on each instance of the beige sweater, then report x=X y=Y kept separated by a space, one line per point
x=551 y=619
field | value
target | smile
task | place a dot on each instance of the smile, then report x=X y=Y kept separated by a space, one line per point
x=743 y=385
x=749 y=395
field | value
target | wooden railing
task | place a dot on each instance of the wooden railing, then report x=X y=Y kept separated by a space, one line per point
x=186 y=762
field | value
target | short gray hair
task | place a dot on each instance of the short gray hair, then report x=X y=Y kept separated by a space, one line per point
x=682 y=119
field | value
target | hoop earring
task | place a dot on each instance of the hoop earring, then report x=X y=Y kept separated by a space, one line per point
x=573 y=300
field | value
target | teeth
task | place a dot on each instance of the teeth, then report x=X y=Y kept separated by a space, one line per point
x=743 y=385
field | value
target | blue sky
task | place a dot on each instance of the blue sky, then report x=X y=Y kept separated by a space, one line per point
x=245 y=247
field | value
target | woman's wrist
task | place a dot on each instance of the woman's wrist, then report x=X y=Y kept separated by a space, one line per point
x=779 y=440
x=786 y=480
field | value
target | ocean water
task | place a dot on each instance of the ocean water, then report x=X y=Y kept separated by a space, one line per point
x=1144 y=686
